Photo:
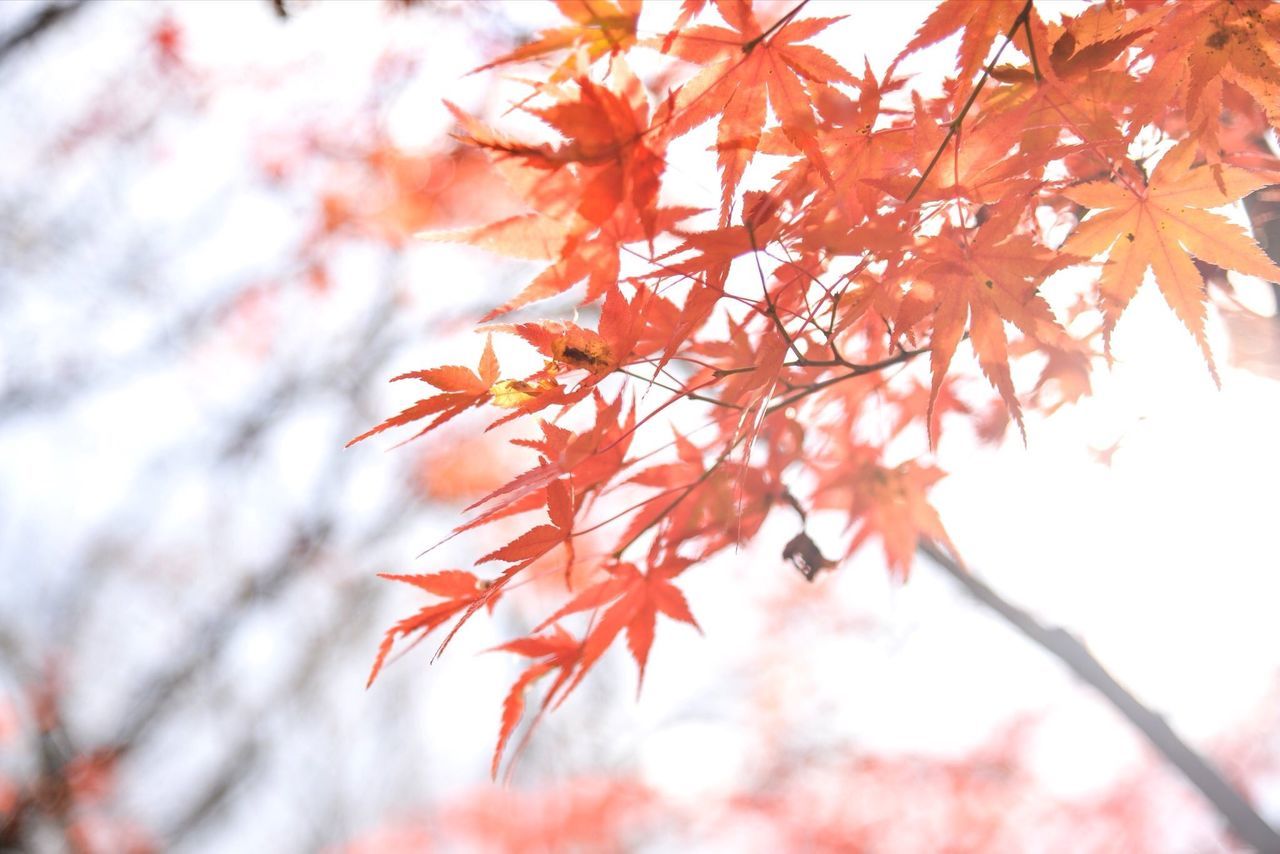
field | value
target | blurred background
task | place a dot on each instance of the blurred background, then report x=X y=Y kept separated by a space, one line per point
x=207 y=274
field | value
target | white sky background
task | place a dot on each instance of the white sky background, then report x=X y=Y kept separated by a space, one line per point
x=1163 y=562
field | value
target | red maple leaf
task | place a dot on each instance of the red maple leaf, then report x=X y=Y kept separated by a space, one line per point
x=743 y=69
x=458 y=589
x=634 y=600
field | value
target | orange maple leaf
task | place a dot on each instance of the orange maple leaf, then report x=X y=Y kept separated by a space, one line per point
x=637 y=598
x=460 y=389
x=599 y=27
x=740 y=67
x=1161 y=226
x=537 y=541
x=982 y=169
x=592 y=194
x=573 y=347
x=1080 y=90
x=882 y=501
x=559 y=651
x=459 y=590
x=988 y=279
x=1197 y=43
x=982 y=23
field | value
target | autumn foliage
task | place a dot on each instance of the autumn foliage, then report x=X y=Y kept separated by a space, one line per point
x=787 y=345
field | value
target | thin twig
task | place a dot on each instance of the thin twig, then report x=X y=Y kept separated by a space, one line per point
x=768 y=300
x=685 y=493
x=973 y=96
x=777 y=25
x=856 y=371
x=688 y=395
x=1031 y=45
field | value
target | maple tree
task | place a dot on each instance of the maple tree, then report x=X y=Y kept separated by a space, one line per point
x=765 y=350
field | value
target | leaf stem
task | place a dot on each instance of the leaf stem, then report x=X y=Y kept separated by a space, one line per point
x=690 y=395
x=856 y=371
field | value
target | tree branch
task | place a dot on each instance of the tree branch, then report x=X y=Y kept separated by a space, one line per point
x=1243 y=820
x=33 y=28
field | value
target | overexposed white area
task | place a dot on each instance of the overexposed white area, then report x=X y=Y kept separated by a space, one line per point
x=185 y=544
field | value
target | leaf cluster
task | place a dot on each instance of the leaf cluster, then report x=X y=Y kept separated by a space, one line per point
x=860 y=230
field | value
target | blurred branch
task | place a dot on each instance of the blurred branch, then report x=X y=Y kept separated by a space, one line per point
x=309 y=537
x=14 y=657
x=37 y=25
x=235 y=769
x=243 y=756
x=1243 y=820
x=212 y=638
x=349 y=374
x=24 y=397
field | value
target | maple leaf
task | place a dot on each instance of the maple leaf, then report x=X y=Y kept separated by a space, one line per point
x=596 y=259
x=457 y=588
x=743 y=70
x=539 y=540
x=559 y=651
x=514 y=394
x=592 y=194
x=637 y=598
x=1160 y=225
x=988 y=280
x=524 y=550
x=1081 y=100
x=892 y=503
x=599 y=27
x=718 y=504
x=460 y=389
x=1195 y=44
x=1064 y=379
x=599 y=353
x=592 y=457
x=917 y=399
x=857 y=154
x=984 y=167
x=532 y=236
x=982 y=23
x=755 y=364
x=889 y=502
